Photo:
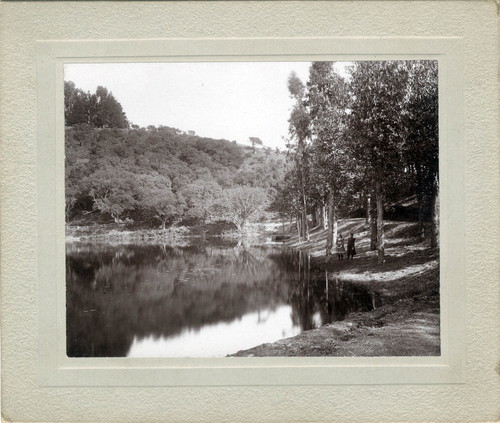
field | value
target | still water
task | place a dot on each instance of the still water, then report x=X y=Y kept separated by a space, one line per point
x=196 y=301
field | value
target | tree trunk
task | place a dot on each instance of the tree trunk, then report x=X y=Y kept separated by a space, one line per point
x=435 y=219
x=315 y=217
x=335 y=225
x=420 y=203
x=368 y=206
x=421 y=227
x=380 y=222
x=116 y=218
x=325 y=217
x=329 y=235
x=299 y=230
x=305 y=227
x=373 y=224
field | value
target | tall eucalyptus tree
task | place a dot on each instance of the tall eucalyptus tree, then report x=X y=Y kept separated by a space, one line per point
x=421 y=149
x=376 y=125
x=299 y=132
x=328 y=102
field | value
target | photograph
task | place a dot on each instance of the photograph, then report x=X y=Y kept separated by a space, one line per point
x=249 y=211
x=252 y=209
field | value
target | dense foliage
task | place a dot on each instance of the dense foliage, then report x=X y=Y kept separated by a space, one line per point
x=367 y=140
x=160 y=176
x=100 y=109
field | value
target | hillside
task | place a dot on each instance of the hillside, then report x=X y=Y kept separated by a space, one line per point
x=157 y=176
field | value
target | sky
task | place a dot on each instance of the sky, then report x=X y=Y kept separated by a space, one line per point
x=229 y=100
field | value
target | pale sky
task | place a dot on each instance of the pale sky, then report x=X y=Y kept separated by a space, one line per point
x=229 y=100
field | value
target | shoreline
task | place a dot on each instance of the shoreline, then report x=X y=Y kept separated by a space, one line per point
x=109 y=232
x=407 y=326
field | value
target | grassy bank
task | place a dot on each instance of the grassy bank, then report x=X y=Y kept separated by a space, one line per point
x=408 y=322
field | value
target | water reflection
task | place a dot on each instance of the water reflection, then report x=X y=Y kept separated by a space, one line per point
x=201 y=300
x=215 y=340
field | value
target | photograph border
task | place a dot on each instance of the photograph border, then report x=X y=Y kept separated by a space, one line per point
x=56 y=369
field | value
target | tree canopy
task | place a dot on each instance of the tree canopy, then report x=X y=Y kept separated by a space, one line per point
x=100 y=109
x=363 y=140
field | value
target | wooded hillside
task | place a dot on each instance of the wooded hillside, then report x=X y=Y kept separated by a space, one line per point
x=162 y=175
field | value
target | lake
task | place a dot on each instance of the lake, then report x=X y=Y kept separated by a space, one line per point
x=202 y=300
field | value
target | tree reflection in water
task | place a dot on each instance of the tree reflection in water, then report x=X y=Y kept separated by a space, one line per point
x=118 y=294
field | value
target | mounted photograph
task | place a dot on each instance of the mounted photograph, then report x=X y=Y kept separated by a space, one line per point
x=252 y=209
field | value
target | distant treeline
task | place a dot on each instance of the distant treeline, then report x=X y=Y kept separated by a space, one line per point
x=99 y=109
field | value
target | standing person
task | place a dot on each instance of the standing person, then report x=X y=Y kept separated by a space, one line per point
x=351 y=249
x=340 y=247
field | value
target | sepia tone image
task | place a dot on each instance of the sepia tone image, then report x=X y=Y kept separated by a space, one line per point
x=252 y=209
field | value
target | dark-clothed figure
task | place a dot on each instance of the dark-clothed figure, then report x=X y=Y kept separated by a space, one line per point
x=351 y=249
x=340 y=247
